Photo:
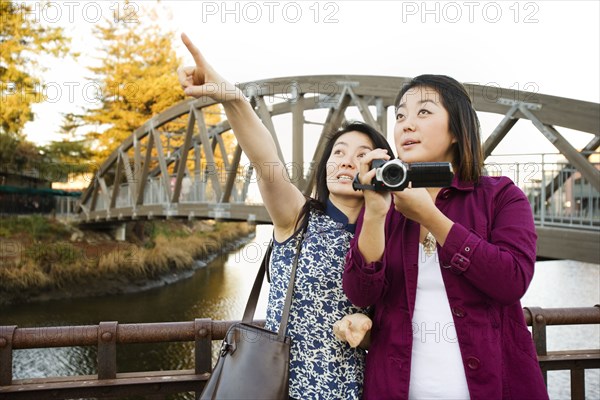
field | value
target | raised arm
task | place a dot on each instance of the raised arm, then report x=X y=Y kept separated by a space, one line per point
x=282 y=199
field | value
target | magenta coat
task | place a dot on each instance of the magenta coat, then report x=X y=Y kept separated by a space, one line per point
x=487 y=264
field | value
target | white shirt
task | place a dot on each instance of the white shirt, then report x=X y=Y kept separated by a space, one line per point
x=437 y=370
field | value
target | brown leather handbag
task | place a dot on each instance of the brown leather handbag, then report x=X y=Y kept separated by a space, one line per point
x=254 y=362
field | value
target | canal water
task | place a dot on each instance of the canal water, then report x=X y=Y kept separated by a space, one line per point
x=219 y=291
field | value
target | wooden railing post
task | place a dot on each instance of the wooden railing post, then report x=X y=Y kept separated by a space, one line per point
x=107 y=350
x=538 y=325
x=6 y=340
x=203 y=345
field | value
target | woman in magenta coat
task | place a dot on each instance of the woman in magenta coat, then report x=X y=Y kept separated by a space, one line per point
x=444 y=268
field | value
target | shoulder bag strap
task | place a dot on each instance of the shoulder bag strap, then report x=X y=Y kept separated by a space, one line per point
x=255 y=292
x=288 y=298
x=258 y=281
x=266 y=260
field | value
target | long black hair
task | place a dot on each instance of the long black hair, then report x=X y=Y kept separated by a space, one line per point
x=319 y=202
x=462 y=121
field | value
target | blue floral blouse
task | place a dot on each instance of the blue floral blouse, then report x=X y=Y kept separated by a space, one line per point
x=321 y=367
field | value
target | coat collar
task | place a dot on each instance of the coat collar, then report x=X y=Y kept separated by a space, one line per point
x=335 y=214
x=463 y=186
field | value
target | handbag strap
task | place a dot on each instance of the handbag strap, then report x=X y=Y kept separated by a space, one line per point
x=258 y=281
x=255 y=292
x=288 y=297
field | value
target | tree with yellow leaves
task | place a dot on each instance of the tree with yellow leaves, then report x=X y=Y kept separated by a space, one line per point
x=22 y=39
x=137 y=78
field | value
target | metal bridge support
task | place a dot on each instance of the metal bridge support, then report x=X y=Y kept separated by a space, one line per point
x=151 y=175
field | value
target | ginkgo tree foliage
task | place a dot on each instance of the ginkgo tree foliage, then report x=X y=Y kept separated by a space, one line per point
x=22 y=41
x=135 y=74
x=137 y=79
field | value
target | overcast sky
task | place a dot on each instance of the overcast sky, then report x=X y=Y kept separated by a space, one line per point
x=551 y=47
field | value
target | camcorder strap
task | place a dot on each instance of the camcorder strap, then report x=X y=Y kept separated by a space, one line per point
x=356 y=185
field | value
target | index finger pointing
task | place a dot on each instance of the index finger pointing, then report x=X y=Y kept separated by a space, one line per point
x=198 y=58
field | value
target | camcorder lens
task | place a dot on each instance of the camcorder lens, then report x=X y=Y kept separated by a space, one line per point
x=392 y=175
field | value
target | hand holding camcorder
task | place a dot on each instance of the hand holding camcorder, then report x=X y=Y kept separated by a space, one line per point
x=395 y=175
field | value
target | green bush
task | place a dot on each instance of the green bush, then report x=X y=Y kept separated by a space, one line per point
x=36 y=226
x=59 y=253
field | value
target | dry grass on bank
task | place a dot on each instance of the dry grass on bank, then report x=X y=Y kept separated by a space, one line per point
x=65 y=258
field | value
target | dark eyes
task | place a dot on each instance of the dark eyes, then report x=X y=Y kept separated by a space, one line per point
x=421 y=112
x=341 y=153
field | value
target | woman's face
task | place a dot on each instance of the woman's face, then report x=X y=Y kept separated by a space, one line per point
x=342 y=164
x=422 y=130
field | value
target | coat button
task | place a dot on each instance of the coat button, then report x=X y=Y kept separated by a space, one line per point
x=459 y=312
x=444 y=194
x=473 y=363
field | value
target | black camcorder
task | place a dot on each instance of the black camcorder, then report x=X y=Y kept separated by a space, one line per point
x=395 y=175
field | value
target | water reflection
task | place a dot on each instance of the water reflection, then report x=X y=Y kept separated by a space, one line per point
x=220 y=290
x=59 y=361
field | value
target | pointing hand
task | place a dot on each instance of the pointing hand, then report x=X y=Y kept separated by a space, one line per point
x=202 y=80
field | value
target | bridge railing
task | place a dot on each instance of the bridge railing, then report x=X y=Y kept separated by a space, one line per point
x=546 y=179
x=199 y=191
x=159 y=384
x=558 y=194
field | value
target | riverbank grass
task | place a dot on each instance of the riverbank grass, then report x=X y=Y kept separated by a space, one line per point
x=43 y=258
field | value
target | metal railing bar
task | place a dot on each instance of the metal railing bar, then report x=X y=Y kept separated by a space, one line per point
x=87 y=335
x=202 y=332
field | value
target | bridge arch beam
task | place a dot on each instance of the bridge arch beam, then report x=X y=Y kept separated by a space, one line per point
x=147 y=178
